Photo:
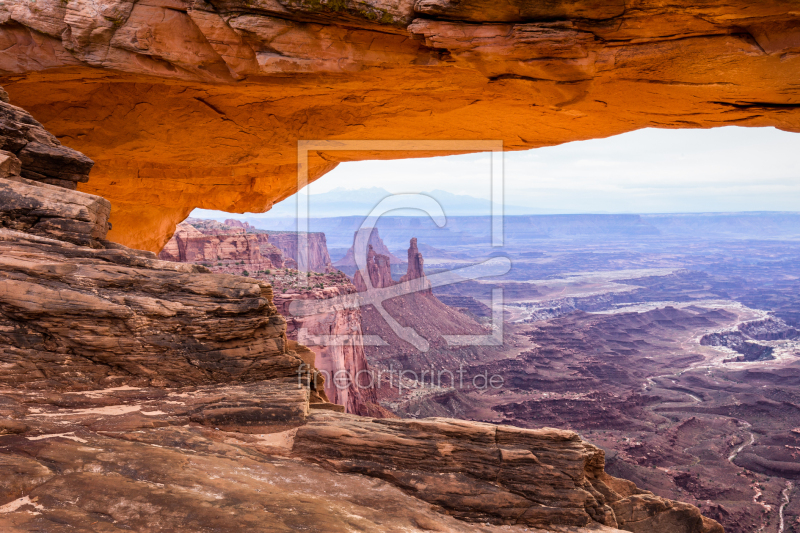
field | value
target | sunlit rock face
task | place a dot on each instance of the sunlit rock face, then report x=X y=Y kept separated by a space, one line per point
x=316 y=248
x=80 y=312
x=227 y=248
x=144 y=395
x=191 y=103
x=342 y=361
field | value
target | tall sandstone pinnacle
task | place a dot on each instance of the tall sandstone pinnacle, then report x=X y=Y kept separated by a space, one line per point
x=200 y=103
x=145 y=395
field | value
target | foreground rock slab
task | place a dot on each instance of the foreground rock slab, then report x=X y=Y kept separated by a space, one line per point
x=250 y=457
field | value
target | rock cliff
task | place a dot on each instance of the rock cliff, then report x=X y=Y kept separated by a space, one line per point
x=420 y=310
x=336 y=338
x=228 y=248
x=78 y=311
x=139 y=394
x=319 y=260
x=202 y=101
x=376 y=243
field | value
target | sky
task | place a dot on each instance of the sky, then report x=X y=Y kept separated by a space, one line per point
x=646 y=171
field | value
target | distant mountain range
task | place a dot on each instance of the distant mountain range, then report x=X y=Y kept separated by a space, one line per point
x=347 y=202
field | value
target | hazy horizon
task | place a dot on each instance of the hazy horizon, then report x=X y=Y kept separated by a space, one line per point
x=649 y=171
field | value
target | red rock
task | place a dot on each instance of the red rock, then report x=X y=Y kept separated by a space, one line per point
x=156 y=396
x=202 y=103
x=343 y=362
x=373 y=241
x=319 y=260
x=231 y=247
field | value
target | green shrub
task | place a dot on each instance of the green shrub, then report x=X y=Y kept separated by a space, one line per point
x=245 y=273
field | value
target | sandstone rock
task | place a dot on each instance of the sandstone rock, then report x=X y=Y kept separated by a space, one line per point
x=419 y=310
x=336 y=338
x=415 y=268
x=77 y=311
x=147 y=395
x=202 y=103
x=337 y=350
x=154 y=459
x=76 y=317
x=375 y=241
x=270 y=252
x=519 y=10
x=319 y=260
x=38 y=154
x=379 y=269
x=51 y=211
x=231 y=247
x=645 y=512
x=10 y=166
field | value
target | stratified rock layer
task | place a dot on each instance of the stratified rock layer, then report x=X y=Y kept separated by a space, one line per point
x=191 y=103
x=336 y=338
x=168 y=399
x=80 y=312
x=317 y=259
x=250 y=457
x=222 y=246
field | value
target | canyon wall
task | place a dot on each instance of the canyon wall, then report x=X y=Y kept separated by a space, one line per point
x=191 y=103
x=336 y=338
x=319 y=260
x=147 y=395
x=228 y=248
x=336 y=333
x=375 y=243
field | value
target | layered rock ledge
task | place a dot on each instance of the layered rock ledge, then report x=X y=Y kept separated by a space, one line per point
x=138 y=394
x=195 y=103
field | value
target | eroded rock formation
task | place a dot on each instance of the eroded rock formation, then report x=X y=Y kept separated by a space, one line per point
x=420 y=310
x=249 y=457
x=193 y=103
x=336 y=338
x=148 y=395
x=375 y=242
x=318 y=259
x=208 y=242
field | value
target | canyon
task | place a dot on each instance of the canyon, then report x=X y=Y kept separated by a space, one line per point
x=191 y=103
x=118 y=366
x=173 y=393
x=237 y=248
x=635 y=332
